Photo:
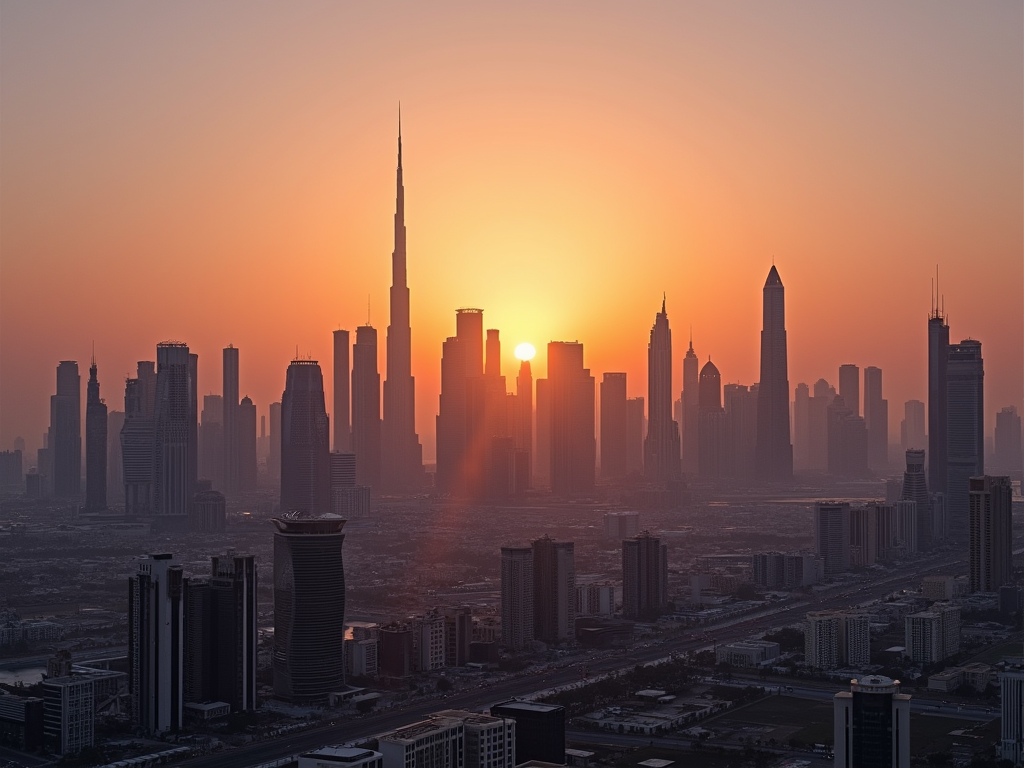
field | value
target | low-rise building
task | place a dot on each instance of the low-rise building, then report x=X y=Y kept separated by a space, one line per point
x=748 y=653
x=341 y=757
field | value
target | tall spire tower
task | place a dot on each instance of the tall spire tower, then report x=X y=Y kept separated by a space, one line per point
x=774 y=451
x=661 y=448
x=402 y=453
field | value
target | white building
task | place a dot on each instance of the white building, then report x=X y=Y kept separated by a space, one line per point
x=834 y=638
x=856 y=641
x=69 y=713
x=430 y=651
x=933 y=635
x=490 y=741
x=861 y=738
x=433 y=743
x=339 y=757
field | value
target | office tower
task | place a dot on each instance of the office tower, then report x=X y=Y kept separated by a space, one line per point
x=540 y=730
x=613 y=426
x=209 y=509
x=965 y=438
x=137 y=440
x=232 y=470
x=366 y=432
x=459 y=464
x=65 y=435
x=912 y=428
x=832 y=535
x=636 y=424
x=774 y=454
x=872 y=725
x=274 y=462
x=175 y=449
x=523 y=421
x=12 y=472
x=990 y=553
x=263 y=443
x=915 y=488
x=711 y=424
x=309 y=607
x=492 y=469
x=933 y=635
x=554 y=590
x=863 y=537
x=458 y=634
x=246 y=431
x=691 y=409
x=1011 y=687
x=95 y=445
x=1007 y=457
x=661 y=449
x=348 y=500
x=740 y=430
x=876 y=420
x=156 y=635
x=211 y=440
x=542 y=437
x=69 y=713
x=621 y=525
x=849 y=387
x=644 y=577
x=896 y=526
x=847 y=441
x=231 y=637
x=573 y=446
x=403 y=469
x=823 y=395
x=938 y=362
x=342 y=408
x=305 y=454
x=517 y=596
x=802 y=428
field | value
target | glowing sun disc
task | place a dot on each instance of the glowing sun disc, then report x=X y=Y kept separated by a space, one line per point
x=525 y=351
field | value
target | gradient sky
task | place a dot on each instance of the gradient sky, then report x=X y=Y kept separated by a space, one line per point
x=224 y=173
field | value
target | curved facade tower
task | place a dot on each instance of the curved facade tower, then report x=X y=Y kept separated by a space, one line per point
x=309 y=608
x=773 y=456
x=661 y=448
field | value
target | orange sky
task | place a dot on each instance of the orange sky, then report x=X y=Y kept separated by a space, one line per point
x=224 y=173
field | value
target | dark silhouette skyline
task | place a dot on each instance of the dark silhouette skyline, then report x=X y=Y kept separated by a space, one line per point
x=774 y=452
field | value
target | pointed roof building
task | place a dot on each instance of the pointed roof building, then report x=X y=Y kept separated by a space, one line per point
x=773 y=456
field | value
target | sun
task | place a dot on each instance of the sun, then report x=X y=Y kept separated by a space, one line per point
x=525 y=351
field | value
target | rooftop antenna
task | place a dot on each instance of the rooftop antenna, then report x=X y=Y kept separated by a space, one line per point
x=94 y=352
x=367 y=309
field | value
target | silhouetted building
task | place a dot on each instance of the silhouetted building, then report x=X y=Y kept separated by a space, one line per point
x=740 y=430
x=232 y=456
x=938 y=362
x=661 y=449
x=711 y=424
x=965 y=437
x=1007 y=456
x=774 y=453
x=540 y=730
x=403 y=465
x=209 y=510
x=847 y=442
x=156 y=644
x=912 y=428
x=305 y=455
x=915 y=488
x=95 y=445
x=849 y=387
x=554 y=590
x=691 y=408
x=832 y=535
x=644 y=577
x=817 y=425
x=65 y=436
x=876 y=420
x=523 y=422
x=872 y=725
x=211 y=440
x=613 y=426
x=274 y=462
x=115 y=462
x=366 y=434
x=342 y=407
x=176 y=446
x=12 y=473
x=459 y=463
x=990 y=553
x=309 y=608
x=636 y=430
x=137 y=440
x=517 y=597
x=246 y=430
x=573 y=446
x=802 y=428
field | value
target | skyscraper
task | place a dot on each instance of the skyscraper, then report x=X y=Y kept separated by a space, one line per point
x=802 y=428
x=517 y=595
x=554 y=590
x=691 y=409
x=65 y=436
x=635 y=432
x=366 y=433
x=459 y=463
x=342 y=413
x=309 y=606
x=876 y=419
x=711 y=424
x=849 y=387
x=523 y=422
x=274 y=463
x=740 y=430
x=965 y=438
x=211 y=440
x=176 y=430
x=644 y=577
x=305 y=437
x=573 y=447
x=403 y=467
x=774 y=453
x=115 y=464
x=95 y=445
x=915 y=488
x=1007 y=456
x=234 y=636
x=661 y=449
x=912 y=428
x=872 y=725
x=832 y=535
x=613 y=426
x=938 y=362
x=232 y=471
x=990 y=553
x=137 y=440
x=246 y=431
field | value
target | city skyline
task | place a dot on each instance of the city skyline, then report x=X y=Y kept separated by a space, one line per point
x=328 y=256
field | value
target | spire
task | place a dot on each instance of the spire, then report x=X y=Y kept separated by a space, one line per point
x=399 y=135
x=773 y=276
x=663 y=302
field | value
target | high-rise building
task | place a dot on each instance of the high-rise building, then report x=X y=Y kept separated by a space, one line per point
x=309 y=607
x=691 y=409
x=872 y=725
x=209 y=510
x=990 y=553
x=342 y=413
x=232 y=470
x=849 y=387
x=460 y=463
x=1007 y=457
x=95 y=445
x=137 y=440
x=847 y=441
x=176 y=430
x=823 y=396
x=246 y=430
x=802 y=428
x=774 y=453
x=517 y=596
x=1011 y=687
x=836 y=638
x=938 y=362
x=965 y=437
x=661 y=449
x=554 y=590
x=211 y=440
x=876 y=419
x=636 y=429
x=437 y=741
x=644 y=577
x=274 y=462
x=915 y=488
x=156 y=644
x=115 y=464
x=740 y=430
x=305 y=436
x=65 y=435
x=366 y=434
x=621 y=525
x=403 y=467
x=573 y=448
x=711 y=424
x=832 y=535
x=933 y=635
x=912 y=428
x=613 y=426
